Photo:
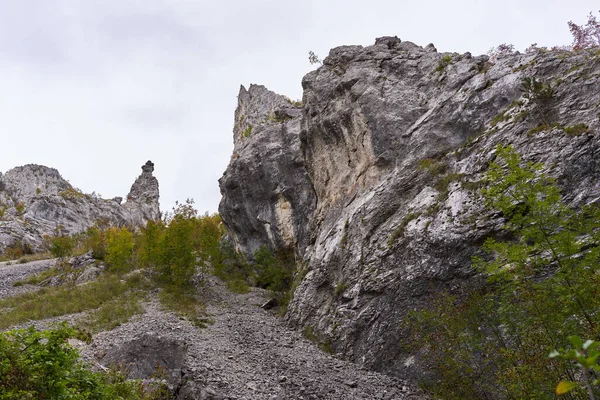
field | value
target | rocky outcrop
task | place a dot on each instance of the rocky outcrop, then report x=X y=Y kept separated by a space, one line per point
x=395 y=139
x=35 y=200
x=149 y=356
x=268 y=199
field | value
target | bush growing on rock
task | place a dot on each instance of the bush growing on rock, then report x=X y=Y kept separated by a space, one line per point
x=274 y=271
x=542 y=287
x=585 y=36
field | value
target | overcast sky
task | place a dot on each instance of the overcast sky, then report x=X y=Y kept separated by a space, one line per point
x=95 y=88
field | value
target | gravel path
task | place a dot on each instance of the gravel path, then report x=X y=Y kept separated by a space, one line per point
x=11 y=272
x=250 y=354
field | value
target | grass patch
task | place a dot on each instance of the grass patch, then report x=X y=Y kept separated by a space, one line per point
x=433 y=166
x=543 y=127
x=576 y=130
x=340 y=288
x=442 y=184
x=399 y=231
x=184 y=303
x=239 y=286
x=37 y=279
x=58 y=301
x=114 y=312
x=35 y=257
x=248 y=131
x=444 y=62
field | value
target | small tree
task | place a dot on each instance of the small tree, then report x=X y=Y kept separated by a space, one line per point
x=119 y=249
x=585 y=36
x=313 y=58
x=61 y=244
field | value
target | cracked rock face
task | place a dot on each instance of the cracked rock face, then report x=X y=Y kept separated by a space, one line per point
x=268 y=199
x=395 y=139
x=34 y=200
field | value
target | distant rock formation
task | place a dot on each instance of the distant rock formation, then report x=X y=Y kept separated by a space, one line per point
x=35 y=200
x=381 y=171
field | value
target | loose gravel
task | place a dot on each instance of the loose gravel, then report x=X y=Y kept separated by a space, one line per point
x=11 y=272
x=248 y=353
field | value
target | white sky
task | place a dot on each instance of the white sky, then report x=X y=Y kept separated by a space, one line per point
x=95 y=88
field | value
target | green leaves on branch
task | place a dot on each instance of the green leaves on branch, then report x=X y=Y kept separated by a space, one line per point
x=543 y=284
x=585 y=354
x=42 y=365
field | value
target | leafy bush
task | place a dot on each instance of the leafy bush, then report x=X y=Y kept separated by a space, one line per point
x=42 y=365
x=275 y=272
x=543 y=285
x=96 y=242
x=177 y=254
x=586 y=355
x=148 y=245
x=233 y=268
x=119 y=249
x=61 y=244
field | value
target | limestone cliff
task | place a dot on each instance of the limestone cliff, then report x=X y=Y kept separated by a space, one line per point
x=34 y=200
x=394 y=140
x=267 y=195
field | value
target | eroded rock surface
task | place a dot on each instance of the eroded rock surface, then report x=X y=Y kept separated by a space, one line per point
x=395 y=139
x=268 y=197
x=35 y=200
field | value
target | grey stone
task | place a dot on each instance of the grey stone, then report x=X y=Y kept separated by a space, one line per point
x=268 y=199
x=369 y=116
x=38 y=200
x=149 y=356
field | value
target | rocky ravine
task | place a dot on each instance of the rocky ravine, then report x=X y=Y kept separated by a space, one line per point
x=373 y=180
x=247 y=353
x=34 y=200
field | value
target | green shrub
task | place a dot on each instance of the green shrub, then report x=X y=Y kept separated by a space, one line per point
x=178 y=254
x=119 y=249
x=233 y=268
x=149 y=245
x=542 y=286
x=42 y=365
x=96 y=242
x=61 y=244
x=274 y=271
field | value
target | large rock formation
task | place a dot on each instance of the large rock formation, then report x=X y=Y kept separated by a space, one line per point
x=395 y=139
x=267 y=195
x=35 y=200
